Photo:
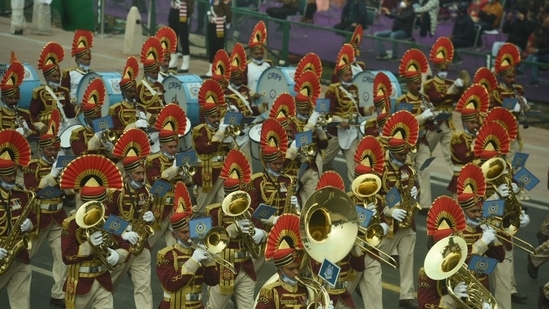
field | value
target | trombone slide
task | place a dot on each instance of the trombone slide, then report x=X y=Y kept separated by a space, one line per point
x=382 y=255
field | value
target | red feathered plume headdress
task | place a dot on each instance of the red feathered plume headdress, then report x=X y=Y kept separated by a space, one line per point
x=284 y=241
x=505 y=118
x=309 y=62
x=330 y=179
x=445 y=217
x=412 y=64
x=12 y=80
x=274 y=141
x=236 y=170
x=81 y=43
x=307 y=89
x=442 y=53
x=401 y=131
x=492 y=140
x=507 y=58
x=369 y=156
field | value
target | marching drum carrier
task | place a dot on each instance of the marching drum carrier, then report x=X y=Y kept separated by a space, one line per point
x=183 y=90
x=112 y=85
x=274 y=81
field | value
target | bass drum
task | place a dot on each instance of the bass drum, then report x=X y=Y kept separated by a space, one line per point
x=255 y=137
x=31 y=80
x=365 y=83
x=65 y=138
x=112 y=85
x=274 y=81
x=183 y=90
x=185 y=141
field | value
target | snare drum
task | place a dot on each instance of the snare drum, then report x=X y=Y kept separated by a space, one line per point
x=365 y=83
x=186 y=140
x=31 y=80
x=112 y=85
x=65 y=138
x=183 y=90
x=274 y=81
x=255 y=137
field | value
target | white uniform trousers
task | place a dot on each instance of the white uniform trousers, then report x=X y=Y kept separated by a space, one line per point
x=309 y=181
x=96 y=298
x=443 y=138
x=403 y=243
x=139 y=267
x=17 y=15
x=244 y=288
x=504 y=281
x=203 y=199
x=59 y=269
x=18 y=281
x=424 y=177
x=163 y=232
x=513 y=148
x=370 y=284
x=348 y=154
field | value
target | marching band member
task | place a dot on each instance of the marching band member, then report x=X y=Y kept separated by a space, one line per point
x=51 y=213
x=369 y=157
x=507 y=59
x=219 y=21
x=273 y=187
x=486 y=78
x=178 y=20
x=11 y=116
x=412 y=65
x=52 y=95
x=401 y=132
x=81 y=51
x=170 y=123
x=382 y=91
x=442 y=93
x=181 y=269
x=211 y=146
x=356 y=66
x=473 y=105
x=85 y=140
x=258 y=63
x=493 y=142
x=168 y=39
x=127 y=114
x=150 y=92
x=133 y=204
x=87 y=251
x=445 y=218
x=345 y=108
x=17 y=208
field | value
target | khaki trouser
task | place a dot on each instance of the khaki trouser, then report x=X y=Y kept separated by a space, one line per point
x=203 y=199
x=424 y=177
x=244 y=288
x=403 y=244
x=504 y=281
x=369 y=283
x=348 y=154
x=513 y=148
x=59 y=269
x=139 y=267
x=542 y=254
x=309 y=180
x=18 y=281
x=163 y=232
x=17 y=15
x=96 y=298
x=444 y=138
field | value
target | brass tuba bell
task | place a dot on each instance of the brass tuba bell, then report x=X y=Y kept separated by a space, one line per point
x=366 y=186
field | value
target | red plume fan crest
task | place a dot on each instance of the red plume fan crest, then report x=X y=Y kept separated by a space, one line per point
x=486 y=78
x=474 y=97
x=95 y=93
x=492 y=137
x=182 y=200
x=133 y=140
x=14 y=75
x=471 y=180
x=94 y=169
x=152 y=50
x=403 y=125
x=16 y=145
x=330 y=179
x=274 y=135
x=505 y=118
x=52 y=53
x=370 y=152
x=284 y=234
x=445 y=217
x=309 y=62
x=236 y=162
x=167 y=38
x=172 y=117
x=283 y=106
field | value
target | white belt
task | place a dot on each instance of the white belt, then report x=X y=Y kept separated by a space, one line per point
x=92 y=269
x=188 y=296
x=51 y=207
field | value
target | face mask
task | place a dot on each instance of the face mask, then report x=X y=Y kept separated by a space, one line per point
x=150 y=79
x=54 y=85
x=235 y=86
x=273 y=173
x=442 y=74
x=287 y=279
x=302 y=117
x=395 y=161
x=402 y=4
x=257 y=61
x=182 y=243
x=84 y=68
x=346 y=84
x=8 y=186
x=472 y=222
x=136 y=184
x=49 y=160
x=168 y=155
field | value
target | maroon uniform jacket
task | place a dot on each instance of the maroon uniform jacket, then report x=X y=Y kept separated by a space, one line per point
x=8 y=119
x=461 y=147
x=42 y=104
x=280 y=295
x=269 y=190
x=341 y=105
x=147 y=101
x=212 y=155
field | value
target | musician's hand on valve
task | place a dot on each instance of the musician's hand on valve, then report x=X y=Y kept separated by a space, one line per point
x=141 y=124
x=488 y=234
x=398 y=214
x=458 y=82
x=3 y=253
x=244 y=225
x=98 y=135
x=524 y=219
x=414 y=192
x=26 y=226
x=372 y=207
x=96 y=239
x=427 y=114
x=131 y=237
x=515 y=188
x=200 y=255
x=148 y=216
x=460 y=290
x=503 y=190
x=113 y=257
x=486 y=306
x=259 y=235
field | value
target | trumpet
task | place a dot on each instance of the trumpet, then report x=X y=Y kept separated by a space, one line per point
x=187 y=170
x=215 y=241
x=426 y=104
x=108 y=136
x=323 y=119
x=308 y=150
x=233 y=130
x=496 y=173
x=508 y=225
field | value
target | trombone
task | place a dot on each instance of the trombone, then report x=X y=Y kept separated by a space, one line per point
x=508 y=225
x=215 y=241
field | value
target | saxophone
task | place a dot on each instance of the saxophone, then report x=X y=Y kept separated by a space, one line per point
x=142 y=228
x=408 y=202
x=16 y=240
x=288 y=208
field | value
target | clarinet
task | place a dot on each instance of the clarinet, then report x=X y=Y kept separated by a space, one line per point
x=426 y=104
x=522 y=115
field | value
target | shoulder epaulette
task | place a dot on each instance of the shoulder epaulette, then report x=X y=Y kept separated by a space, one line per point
x=212 y=207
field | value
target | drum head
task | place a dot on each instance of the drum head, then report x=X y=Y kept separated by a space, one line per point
x=365 y=84
x=65 y=136
x=255 y=133
x=274 y=81
x=184 y=89
x=112 y=85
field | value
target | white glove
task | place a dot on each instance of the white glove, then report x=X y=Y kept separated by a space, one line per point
x=385 y=227
x=141 y=123
x=113 y=257
x=515 y=188
x=524 y=219
x=488 y=234
x=294 y=201
x=244 y=225
x=516 y=109
x=20 y=131
x=398 y=214
x=503 y=190
x=3 y=253
x=232 y=108
x=292 y=152
x=132 y=237
x=372 y=207
x=148 y=216
x=228 y=26
x=414 y=192
x=330 y=305
x=458 y=82
x=142 y=115
x=108 y=145
x=486 y=306
x=26 y=226
x=460 y=290
x=200 y=255
x=98 y=135
x=427 y=114
x=96 y=239
x=275 y=219
x=259 y=235
x=313 y=118
x=54 y=172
